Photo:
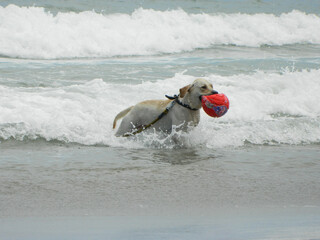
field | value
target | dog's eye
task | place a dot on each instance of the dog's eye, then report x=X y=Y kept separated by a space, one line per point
x=204 y=87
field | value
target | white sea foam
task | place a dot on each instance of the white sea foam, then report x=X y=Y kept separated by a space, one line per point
x=267 y=108
x=31 y=32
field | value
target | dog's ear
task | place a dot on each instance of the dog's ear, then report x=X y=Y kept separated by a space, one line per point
x=184 y=90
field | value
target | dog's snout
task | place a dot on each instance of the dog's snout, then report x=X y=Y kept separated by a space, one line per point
x=214 y=92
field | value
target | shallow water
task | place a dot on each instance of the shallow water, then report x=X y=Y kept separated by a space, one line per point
x=57 y=191
x=54 y=179
x=66 y=71
x=276 y=224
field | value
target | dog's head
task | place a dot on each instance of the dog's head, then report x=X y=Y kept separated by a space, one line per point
x=194 y=91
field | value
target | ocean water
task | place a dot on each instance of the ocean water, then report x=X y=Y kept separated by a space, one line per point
x=68 y=67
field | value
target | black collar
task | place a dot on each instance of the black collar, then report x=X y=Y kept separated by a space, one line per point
x=176 y=99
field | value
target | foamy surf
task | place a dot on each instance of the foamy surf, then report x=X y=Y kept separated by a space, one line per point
x=266 y=108
x=32 y=32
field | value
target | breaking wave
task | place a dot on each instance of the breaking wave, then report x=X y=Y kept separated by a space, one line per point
x=266 y=108
x=32 y=32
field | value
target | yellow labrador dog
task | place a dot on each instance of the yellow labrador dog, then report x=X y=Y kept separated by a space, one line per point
x=182 y=111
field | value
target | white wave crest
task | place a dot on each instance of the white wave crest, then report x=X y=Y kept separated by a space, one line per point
x=31 y=32
x=267 y=108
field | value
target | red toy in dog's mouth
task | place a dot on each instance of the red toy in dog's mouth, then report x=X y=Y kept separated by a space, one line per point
x=215 y=105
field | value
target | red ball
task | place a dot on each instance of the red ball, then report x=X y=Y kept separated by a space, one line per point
x=215 y=105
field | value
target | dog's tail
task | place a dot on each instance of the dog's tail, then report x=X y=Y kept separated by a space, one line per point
x=121 y=115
